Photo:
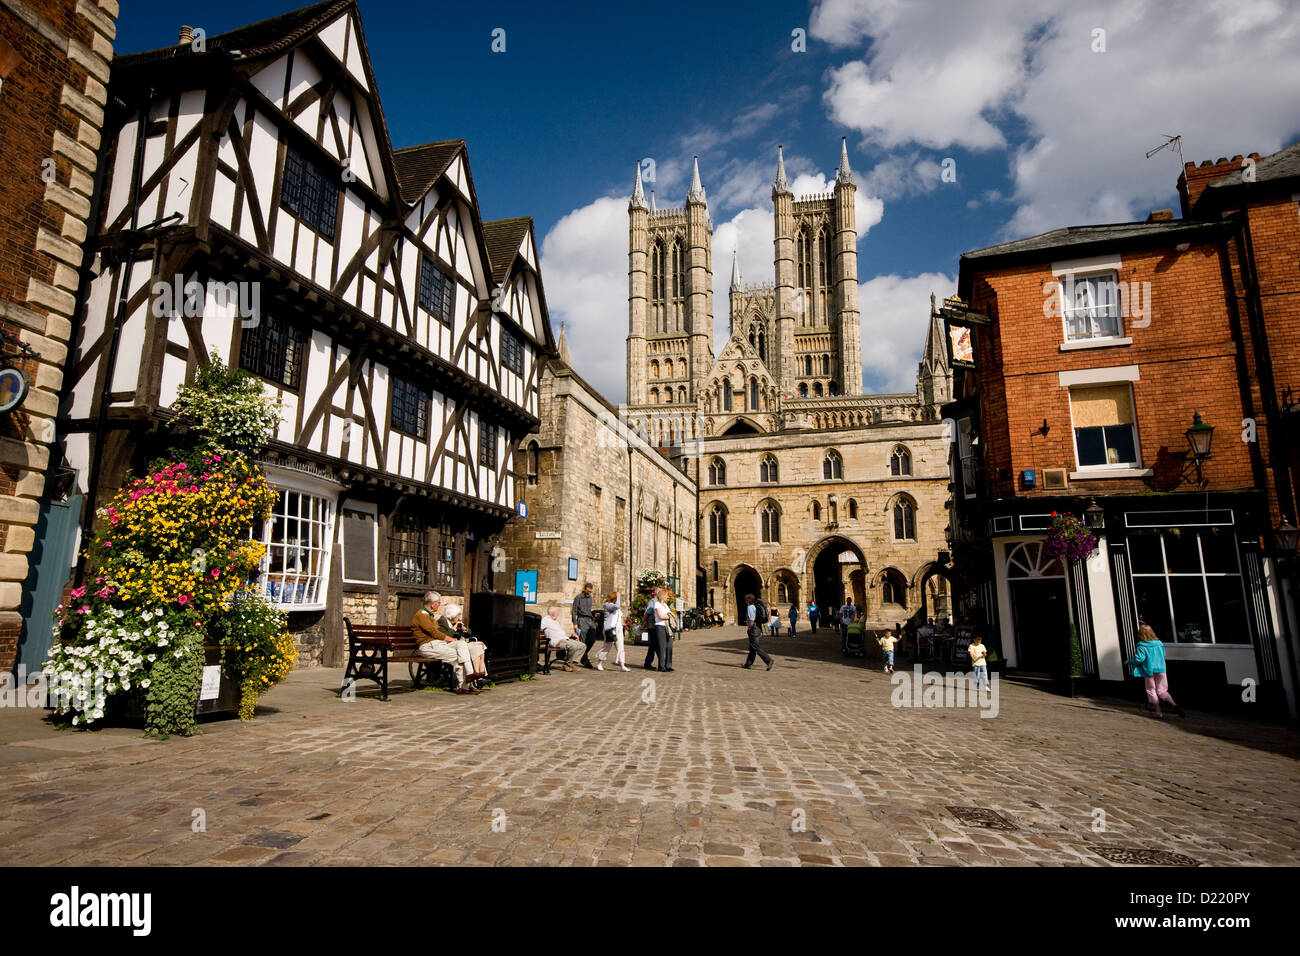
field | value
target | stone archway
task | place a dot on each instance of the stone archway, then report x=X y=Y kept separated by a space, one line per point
x=832 y=563
x=745 y=581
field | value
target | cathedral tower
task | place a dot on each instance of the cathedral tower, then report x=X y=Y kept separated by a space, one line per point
x=846 y=276
x=670 y=297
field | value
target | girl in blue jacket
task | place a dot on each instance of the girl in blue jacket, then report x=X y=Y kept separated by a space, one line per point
x=1149 y=663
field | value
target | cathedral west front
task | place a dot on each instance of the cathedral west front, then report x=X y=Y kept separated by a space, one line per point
x=809 y=489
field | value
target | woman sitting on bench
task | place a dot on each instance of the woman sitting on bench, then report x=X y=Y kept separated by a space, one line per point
x=432 y=640
x=451 y=623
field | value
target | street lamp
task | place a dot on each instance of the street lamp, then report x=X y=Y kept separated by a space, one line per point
x=1288 y=537
x=1094 y=518
x=1199 y=437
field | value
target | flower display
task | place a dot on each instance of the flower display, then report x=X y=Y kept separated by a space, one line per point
x=1068 y=539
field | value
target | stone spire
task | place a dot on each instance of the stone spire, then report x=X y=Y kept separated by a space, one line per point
x=652 y=200
x=844 y=175
x=780 y=186
x=638 y=197
x=562 y=346
x=735 y=270
x=696 y=193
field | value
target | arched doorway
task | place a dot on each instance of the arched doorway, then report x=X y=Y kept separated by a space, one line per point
x=1040 y=607
x=936 y=594
x=835 y=561
x=746 y=581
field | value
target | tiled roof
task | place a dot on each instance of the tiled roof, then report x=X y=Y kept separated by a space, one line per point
x=1284 y=164
x=418 y=167
x=503 y=237
x=256 y=39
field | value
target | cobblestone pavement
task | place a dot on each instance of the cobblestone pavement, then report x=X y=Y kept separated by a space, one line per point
x=708 y=765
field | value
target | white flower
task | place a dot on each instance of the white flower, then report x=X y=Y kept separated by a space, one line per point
x=145 y=683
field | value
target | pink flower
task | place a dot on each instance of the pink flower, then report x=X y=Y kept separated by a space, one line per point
x=183 y=599
x=84 y=609
x=78 y=592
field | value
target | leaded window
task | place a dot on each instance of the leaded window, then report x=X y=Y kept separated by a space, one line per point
x=832 y=465
x=295 y=569
x=767 y=469
x=487 y=446
x=717 y=525
x=900 y=462
x=512 y=351
x=273 y=349
x=437 y=291
x=446 y=572
x=717 y=472
x=309 y=193
x=771 y=524
x=904 y=520
x=408 y=550
x=410 y=409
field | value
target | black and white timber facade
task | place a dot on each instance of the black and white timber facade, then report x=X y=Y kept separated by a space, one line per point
x=402 y=336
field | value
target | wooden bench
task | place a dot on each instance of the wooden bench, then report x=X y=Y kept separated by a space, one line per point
x=372 y=648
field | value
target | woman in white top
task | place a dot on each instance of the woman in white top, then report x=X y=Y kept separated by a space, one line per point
x=613 y=623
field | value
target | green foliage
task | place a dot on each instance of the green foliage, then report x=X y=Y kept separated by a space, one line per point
x=174 y=684
x=255 y=642
x=1074 y=652
x=227 y=410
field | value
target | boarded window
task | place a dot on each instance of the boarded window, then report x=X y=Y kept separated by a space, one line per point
x=1104 y=430
x=358 y=546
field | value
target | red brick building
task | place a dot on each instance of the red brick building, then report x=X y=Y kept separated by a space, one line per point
x=1103 y=345
x=54 y=67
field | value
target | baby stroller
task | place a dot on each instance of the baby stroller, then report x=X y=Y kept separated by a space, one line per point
x=855 y=639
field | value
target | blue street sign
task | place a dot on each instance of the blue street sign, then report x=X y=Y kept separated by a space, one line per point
x=522 y=509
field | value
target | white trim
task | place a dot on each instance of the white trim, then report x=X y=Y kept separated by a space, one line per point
x=1110 y=471
x=285 y=479
x=1094 y=343
x=1085 y=266
x=1101 y=611
x=365 y=507
x=1099 y=376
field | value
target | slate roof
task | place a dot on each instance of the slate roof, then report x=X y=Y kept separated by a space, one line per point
x=418 y=167
x=1089 y=235
x=503 y=237
x=1284 y=164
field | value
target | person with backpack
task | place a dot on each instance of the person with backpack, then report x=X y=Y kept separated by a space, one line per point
x=756 y=614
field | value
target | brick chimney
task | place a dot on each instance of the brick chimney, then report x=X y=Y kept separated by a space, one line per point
x=1192 y=183
x=1161 y=215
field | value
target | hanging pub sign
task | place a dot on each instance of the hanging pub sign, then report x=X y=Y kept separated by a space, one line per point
x=959 y=325
x=13 y=388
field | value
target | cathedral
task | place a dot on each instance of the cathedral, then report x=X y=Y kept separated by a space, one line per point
x=809 y=489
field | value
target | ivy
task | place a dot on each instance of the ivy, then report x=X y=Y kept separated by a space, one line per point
x=174 y=684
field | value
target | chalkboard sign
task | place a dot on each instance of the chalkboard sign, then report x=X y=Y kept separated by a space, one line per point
x=959 y=650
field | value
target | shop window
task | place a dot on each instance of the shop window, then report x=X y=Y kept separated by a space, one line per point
x=295 y=570
x=1187 y=585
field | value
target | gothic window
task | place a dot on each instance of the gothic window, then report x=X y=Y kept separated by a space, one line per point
x=900 y=462
x=826 y=365
x=726 y=394
x=718 y=525
x=717 y=472
x=657 y=272
x=767 y=469
x=817 y=511
x=679 y=284
x=893 y=588
x=753 y=394
x=758 y=339
x=853 y=510
x=807 y=364
x=803 y=389
x=770 y=518
x=821 y=258
x=817 y=389
x=832 y=465
x=904 y=520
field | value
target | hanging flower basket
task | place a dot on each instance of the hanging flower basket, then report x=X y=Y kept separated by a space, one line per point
x=1069 y=539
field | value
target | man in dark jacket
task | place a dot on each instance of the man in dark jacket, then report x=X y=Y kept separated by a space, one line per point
x=584 y=621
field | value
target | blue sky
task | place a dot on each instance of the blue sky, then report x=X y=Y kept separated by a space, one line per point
x=1044 y=119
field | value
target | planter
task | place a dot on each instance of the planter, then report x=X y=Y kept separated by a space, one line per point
x=1073 y=686
x=226 y=700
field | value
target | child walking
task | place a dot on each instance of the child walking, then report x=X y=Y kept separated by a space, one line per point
x=887 y=642
x=1148 y=662
x=774 y=623
x=979 y=658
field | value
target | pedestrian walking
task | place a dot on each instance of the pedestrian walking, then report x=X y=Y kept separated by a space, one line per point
x=979 y=658
x=846 y=614
x=612 y=631
x=756 y=611
x=584 y=621
x=1148 y=662
x=794 y=617
x=887 y=642
x=813 y=613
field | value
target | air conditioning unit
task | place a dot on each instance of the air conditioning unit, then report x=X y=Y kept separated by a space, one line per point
x=1054 y=479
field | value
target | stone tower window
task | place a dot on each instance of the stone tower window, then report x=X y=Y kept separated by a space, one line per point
x=770 y=519
x=532 y=462
x=753 y=394
x=817 y=511
x=832 y=465
x=654 y=369
x=767 y=469
x=717 y=472
x=803 y=389
x=904 y=520
x=900 y=462
x=826 y=364
x=853 y=509
x=726 y=394
x=717 y=525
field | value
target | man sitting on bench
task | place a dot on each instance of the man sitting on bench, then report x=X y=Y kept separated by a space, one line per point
x=560 y=641
x=432 y=641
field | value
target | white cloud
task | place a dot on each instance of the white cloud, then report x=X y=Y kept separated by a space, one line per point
x=1074 y=123
x=584 y=267
x=895 y=319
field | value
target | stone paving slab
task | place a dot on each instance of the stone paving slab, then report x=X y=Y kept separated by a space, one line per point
x=713 y=765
